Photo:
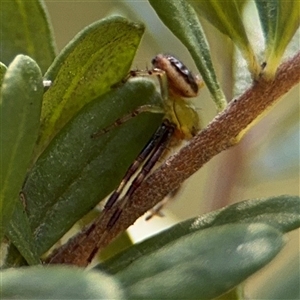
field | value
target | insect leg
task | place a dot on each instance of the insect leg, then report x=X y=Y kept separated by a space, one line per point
x=125 y=118
x=136 y=164
x=163 y=82
x=153 y=158
x=157 y=209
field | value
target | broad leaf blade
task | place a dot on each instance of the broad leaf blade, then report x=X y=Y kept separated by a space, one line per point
x=97 y=58
x=279 y=20
x=25 y=29
x=182 y=20
x=21 y=100
x=204 y=264
x=19 y=233
x=282 y=212
x=226 y=17
x=75 y=172
x=57 y=283
x=13 y=258
x=285 y=286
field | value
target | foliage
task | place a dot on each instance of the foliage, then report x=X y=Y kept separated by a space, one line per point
x=48 y=154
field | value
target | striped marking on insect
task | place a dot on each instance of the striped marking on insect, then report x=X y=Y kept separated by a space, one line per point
x=181 y=121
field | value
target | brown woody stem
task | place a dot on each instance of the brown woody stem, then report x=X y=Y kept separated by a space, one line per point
x=219 y=135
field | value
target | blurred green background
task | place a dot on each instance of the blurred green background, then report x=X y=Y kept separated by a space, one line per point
x=265 y=163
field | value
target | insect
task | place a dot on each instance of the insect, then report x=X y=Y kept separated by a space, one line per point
x=180 y=122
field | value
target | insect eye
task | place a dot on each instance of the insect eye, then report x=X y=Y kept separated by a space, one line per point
x=154 y=61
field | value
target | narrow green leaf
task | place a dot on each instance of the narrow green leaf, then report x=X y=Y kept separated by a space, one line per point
x=54 y=282
x=279 y=20
x=25 y=29
x=122 y=242
x=226 y=17
x=240 y=4
x=203 y=264
x=2 y=72
x=21 y=99
x=283 y=284
x=97 y=58
x=75 y=172
x=19 y=233
x=282 y=212
x=234 y=294
x=182 y=20
x=267 y=11
x=13 y=258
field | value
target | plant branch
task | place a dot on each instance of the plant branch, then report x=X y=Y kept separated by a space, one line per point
x=223 y=132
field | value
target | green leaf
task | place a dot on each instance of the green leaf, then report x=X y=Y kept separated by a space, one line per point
x=203 y=264
x=25 y=29
x=182 y=20
x=279 y=20
x=234 y=294
x=282 y=212
x=13 y=258
x=54 y=282
x=19 y=233
x=21 y=100
x=122 y=242
x=226 y=17
x=97 y=58
x=283 y=284
x=75 y=172
x=2 y=72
